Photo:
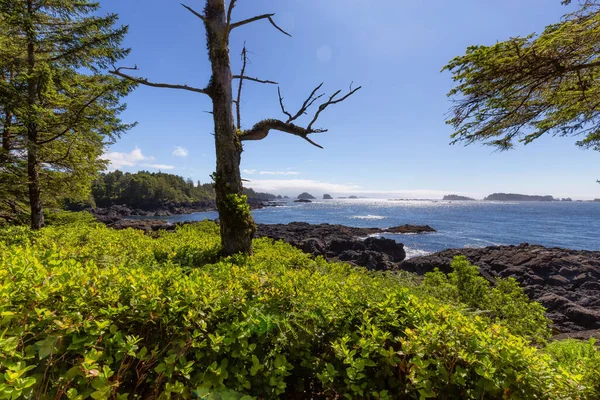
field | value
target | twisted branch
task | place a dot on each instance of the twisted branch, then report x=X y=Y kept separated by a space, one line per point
x=261 y=129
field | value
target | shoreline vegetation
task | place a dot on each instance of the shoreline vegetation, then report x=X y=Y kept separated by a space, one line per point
x=277 y=324
x=104 y=305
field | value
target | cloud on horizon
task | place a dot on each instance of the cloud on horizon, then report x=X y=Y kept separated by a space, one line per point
x=280 y=173
x=292 y=187
x=159 y=166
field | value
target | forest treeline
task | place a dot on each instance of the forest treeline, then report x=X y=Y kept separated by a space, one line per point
x=148 y=190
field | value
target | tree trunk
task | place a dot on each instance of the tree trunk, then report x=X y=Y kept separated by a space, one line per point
x=33 y=165
x=5 y=153
x=237 y=226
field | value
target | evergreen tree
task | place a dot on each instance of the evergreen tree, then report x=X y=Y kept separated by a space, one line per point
x=58 y=108
x=526 y=87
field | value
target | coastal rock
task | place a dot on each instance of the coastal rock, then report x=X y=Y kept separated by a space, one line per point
x=338 y=242
x=327 y=197
x=306 y=196
x=566 y=282
x=456 y=197
x=302 y=201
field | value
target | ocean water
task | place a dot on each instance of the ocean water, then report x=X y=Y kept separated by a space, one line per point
x=458 y=223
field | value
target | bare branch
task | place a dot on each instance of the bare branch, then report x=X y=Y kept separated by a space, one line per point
x=144 y=81
x=332 y=100
x=258 y=18
x=307 y=103
x=230 y=11
x=197 y=14
x=282 y=106
x=239 y=92
x=261 y=129
x=249 y=78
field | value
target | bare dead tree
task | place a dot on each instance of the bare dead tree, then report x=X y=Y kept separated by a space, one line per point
x=237 y=226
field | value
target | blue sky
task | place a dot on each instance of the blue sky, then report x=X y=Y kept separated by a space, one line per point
x=389 y=139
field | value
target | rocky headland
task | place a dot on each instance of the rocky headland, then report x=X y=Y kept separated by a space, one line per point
x=115 y=214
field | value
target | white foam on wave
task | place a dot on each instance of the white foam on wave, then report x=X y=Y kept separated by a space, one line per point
x=368 y=217
x=411 y=253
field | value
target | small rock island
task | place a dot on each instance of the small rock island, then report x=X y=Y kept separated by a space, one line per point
x=517 y=197
x=457 y=197
x=306 y=196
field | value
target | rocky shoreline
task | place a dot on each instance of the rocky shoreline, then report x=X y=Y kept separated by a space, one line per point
x=566 y=282
x=344 y=243
x=116 y=213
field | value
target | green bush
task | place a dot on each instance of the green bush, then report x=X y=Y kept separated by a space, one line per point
x=504 y=303
x=60 y=217
x=90 y=312
x=579 y=357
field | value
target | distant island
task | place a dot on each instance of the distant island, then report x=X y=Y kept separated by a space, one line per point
x=457 y=197
x=517 y=197
x=306 y=196
x=327 y=197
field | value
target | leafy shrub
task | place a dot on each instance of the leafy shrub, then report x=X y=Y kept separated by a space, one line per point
x=582 y=358
x=60 y=217
x=504 y=303
x=89 y=312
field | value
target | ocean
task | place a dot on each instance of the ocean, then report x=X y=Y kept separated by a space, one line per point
x=458 y=223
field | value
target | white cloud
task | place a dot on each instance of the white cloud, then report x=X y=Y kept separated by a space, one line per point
x=180 y=152
x=158 y=166
x=135 y=158
x=278 y=173
x=119 y=160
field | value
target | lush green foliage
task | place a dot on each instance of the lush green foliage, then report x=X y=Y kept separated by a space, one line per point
x=57 y=109
x=89 y=312
x=146 y=190
x=525 y=87
x=505 y=302
x=580 y=357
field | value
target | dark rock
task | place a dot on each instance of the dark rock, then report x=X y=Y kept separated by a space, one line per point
x=566 y=282
x=306 y=196
x=338 y=242
x=386 y=246
x=313 y=246
x=302 y=201
x=327 y=197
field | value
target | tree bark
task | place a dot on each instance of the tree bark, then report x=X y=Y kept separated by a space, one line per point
x=237 y=225
x=5 y=153
x=33 y=165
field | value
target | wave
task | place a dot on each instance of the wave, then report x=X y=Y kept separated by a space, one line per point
x=411 y=253
x=368 y=217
